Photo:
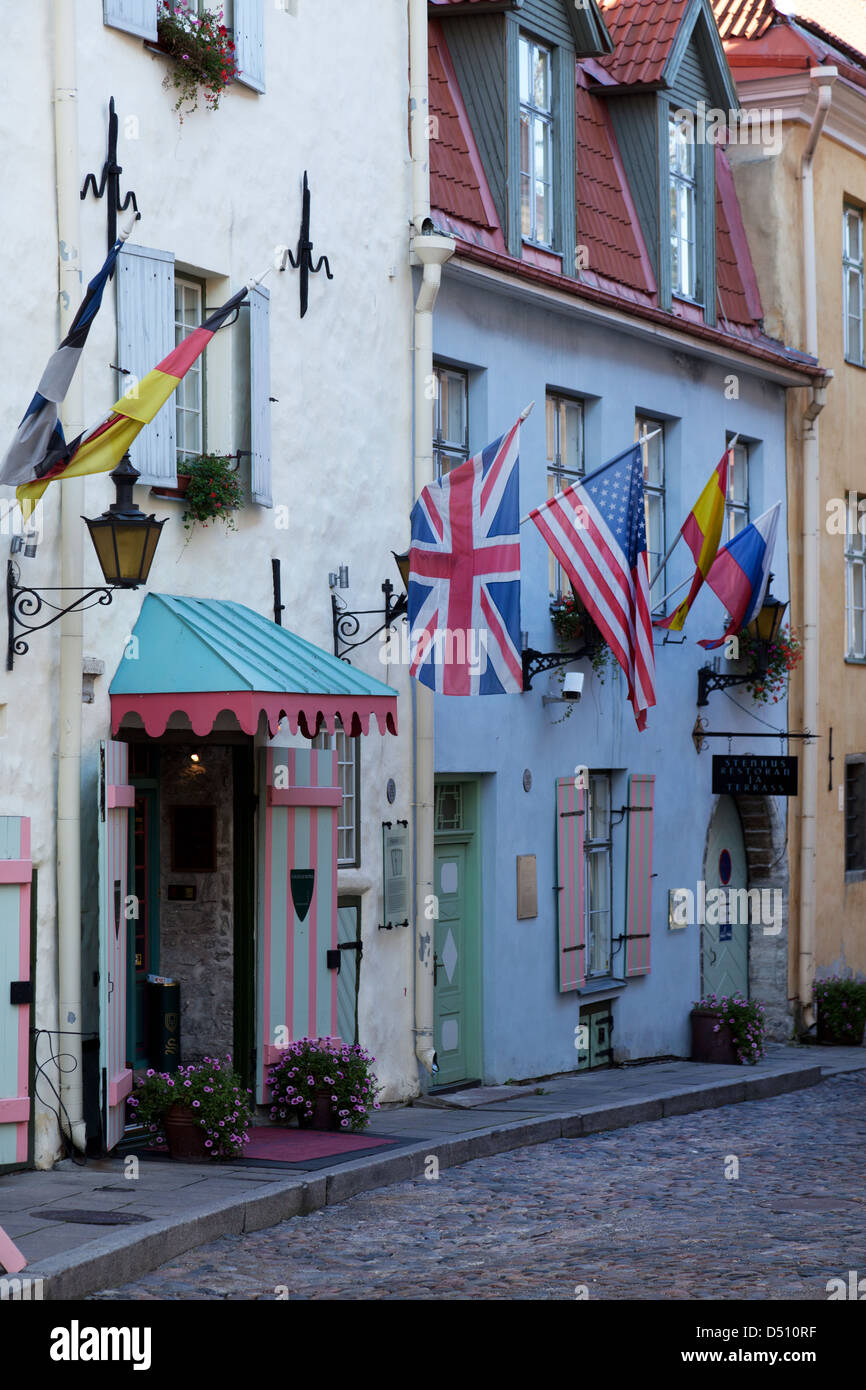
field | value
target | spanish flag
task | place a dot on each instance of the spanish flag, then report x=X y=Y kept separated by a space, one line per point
x=101 y=449
x=702 y=531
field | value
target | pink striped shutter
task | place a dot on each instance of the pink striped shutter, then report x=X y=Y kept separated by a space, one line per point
x=116 y=799
x=16 y=872
x=639 y=884
x=570 y=831
x=295 y=990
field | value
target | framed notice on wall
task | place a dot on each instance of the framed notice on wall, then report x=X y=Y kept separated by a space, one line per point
x=395 y=850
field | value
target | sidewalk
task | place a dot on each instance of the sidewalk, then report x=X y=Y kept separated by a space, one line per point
x=186 y=1205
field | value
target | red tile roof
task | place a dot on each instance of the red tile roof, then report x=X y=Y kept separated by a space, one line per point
x=743 y=19
x=606 y=222
x=455 y=186
x=643 y=33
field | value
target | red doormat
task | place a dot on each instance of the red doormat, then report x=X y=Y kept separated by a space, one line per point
x=270 y=1143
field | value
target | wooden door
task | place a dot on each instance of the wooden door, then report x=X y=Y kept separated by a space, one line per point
x=725 y=944
x=451 y=1025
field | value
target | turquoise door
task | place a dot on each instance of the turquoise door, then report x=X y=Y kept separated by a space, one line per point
x=451 y=1024
x=725 y=945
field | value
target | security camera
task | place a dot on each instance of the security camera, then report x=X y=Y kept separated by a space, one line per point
x=572 y=686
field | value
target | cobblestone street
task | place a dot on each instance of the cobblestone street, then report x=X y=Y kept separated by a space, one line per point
x=645 y=1212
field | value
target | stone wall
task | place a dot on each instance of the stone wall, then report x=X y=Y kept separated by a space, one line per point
x=196 y=938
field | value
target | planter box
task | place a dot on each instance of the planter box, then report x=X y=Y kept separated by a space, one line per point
x=709 y=1045
x=826 y=1033
x=177 y=492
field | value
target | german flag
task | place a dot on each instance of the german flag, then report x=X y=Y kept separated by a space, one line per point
x=702 y=531
x=101 y=449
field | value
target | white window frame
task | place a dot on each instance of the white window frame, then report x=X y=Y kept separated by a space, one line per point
x=449 y=453
x=348 y=815
x=653 y=492
x=737 y=507
x=561 y=470
x=192 y=386
x=852 y=265
x=855 y=583
x=683 y=187
x=598 y=933
x=539 y=121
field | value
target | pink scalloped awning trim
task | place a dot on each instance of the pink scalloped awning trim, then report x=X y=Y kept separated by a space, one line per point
x=309 y=713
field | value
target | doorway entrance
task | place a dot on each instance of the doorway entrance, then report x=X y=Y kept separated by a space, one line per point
x=725 y=945
x=457 y=943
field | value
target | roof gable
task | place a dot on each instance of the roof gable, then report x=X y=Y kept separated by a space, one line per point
x=557 y=20
x=653 y=39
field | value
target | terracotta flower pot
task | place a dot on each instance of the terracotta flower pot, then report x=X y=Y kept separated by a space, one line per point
x=184 y=1136
x=709 y=1045
x=183 y=481
x=827 y=1034
x=324 y=1114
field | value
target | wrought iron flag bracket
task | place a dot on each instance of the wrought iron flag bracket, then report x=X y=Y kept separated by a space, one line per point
x=700 y=734
x=303 y=258
x=346 y=622
x=110 y=179
x=709 y=680
x=536 y=663
x=24 y=603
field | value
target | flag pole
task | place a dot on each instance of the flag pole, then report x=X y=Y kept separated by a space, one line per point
x=671 y=592
x=642 y=440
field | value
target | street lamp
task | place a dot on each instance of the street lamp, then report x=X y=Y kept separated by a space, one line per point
x=125 y=542
x=764 y=628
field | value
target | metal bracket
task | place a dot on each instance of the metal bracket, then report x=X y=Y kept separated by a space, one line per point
x=110 y=179
x=346 y=622
x=710 y=680
x=303 y=259
x=24 y=603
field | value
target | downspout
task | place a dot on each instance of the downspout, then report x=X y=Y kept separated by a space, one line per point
x=430 y=251
x=824 y=77
x=67 y=173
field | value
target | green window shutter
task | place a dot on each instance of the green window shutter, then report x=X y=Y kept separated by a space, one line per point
x=512 y=229
x=250 y=43
x=145 y=335
x=260 y=396
x=564 y=160
x=639 y=873
x=133 y=16
x=663 y=225
x=570 y=888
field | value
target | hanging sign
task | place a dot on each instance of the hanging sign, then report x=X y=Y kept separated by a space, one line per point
x=754 y=774
x=302 y=881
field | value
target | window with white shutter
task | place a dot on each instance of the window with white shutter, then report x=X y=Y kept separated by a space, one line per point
x=145 y=335
x=260 y=397
x=249 y=27
x=133 y=16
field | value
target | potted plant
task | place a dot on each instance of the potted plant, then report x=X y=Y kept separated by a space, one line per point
x=768 y=681
x=324 y=1084
x=572 y=624
x=201 y=1111
x=841 y=1005
x=727 y=1030
x=213 y=493
x=202 y=49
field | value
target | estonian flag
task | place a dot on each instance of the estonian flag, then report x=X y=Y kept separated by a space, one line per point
x=40 y=434
x=740 y=572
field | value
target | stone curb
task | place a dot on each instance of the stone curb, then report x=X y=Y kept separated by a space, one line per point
x=123 y=1256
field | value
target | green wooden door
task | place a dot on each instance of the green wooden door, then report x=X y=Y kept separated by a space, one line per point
x=451 y=1024
x=725 y=945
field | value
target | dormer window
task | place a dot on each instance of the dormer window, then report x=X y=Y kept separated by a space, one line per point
x=683 y=186
x=536 y=142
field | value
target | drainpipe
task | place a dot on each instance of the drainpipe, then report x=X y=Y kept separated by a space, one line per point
x=430 y=251
x=824 y=77
x=67 y=172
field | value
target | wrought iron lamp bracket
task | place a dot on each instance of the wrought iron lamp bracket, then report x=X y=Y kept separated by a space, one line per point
x=24 y=603
x=535 y=663
x=346 y=621
x=710 y=680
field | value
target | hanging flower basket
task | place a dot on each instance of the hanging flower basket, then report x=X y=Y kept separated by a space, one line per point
x=213 y=493
x=768 y=685
x=203 y=52
x=572 y=624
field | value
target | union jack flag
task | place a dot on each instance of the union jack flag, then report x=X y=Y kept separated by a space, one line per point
x=596 y=529
x=464 y=576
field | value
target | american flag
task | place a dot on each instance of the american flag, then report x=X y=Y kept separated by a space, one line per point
x=596 y=530
x=464 y=576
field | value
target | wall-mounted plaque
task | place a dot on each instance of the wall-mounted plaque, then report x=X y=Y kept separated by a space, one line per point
x=754 y=774
x=395 y=850
x=181 y=893
x=527 y=886
x=193 y=839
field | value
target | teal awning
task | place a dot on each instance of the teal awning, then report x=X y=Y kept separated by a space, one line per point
x=200 y=656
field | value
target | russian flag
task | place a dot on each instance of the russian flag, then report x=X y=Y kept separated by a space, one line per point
x=740 y=573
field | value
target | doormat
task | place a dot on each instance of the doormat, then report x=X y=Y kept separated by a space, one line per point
x=273 y=1147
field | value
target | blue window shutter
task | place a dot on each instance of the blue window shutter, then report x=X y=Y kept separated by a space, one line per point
x=260 y=396
x=145 y=335
x=133 y=16
x=250 y=43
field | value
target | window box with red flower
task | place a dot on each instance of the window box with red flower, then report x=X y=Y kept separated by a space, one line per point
x=202 y=49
